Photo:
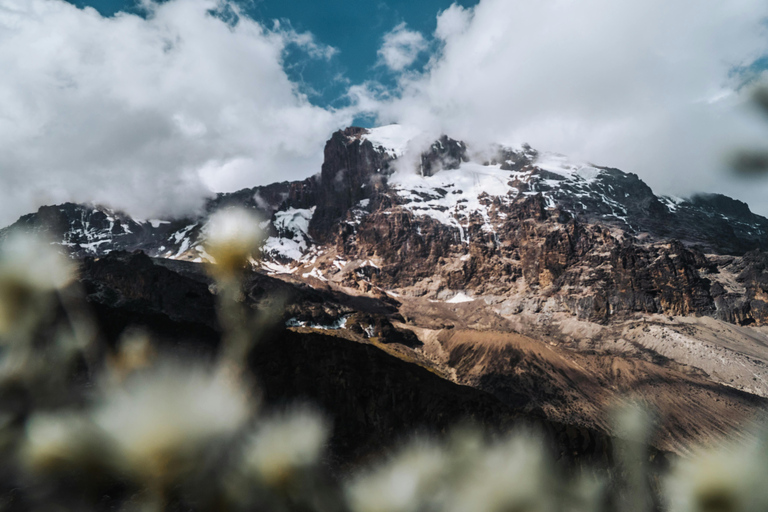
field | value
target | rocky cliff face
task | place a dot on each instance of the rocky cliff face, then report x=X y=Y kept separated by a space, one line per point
x=350 y=173
x=594 y=241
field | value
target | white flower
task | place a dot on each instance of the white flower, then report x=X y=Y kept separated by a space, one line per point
x=35 y=261
x=402 y=485
x=30 y=268
x=232 y=236
x=631 y=422
x=511 y=475
x=135 y=352
x=162 y=420
x=730 y=478
x=64 y=441
x=285 y=444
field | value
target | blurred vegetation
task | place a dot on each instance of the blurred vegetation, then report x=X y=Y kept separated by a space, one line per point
x=747 y=162
x=131 y=430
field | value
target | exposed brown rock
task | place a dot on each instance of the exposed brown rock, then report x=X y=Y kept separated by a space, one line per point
x=346 y=177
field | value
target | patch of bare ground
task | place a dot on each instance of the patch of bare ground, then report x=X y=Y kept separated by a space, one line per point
x=573 y=373
x=577 y=388
x=700 y=375
x=724 y=353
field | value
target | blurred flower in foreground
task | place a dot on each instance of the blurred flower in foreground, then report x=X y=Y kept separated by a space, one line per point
x=733 y=478
x=467 y=474
x=232 y=238
x=753 y=162
x=286 y=444
x=404 y=484
x=632 y=428
x=64 y=442
x=134 y=352
x=163 y=420
x=30 y=268
x=513 y=474
x=631 y=423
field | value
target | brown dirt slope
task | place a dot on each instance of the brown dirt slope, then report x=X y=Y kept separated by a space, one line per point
x=578 y=387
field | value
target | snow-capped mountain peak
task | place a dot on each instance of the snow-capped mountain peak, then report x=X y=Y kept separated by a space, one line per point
x=468 y=193
x=394 y=139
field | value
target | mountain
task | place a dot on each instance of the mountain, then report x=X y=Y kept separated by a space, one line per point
x=553 y=286
x=529 y=229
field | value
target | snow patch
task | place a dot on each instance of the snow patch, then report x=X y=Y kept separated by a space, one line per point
x=292 y=240
x=452 y=196
x=295 y=220
x=559 y=164
x=273 y=267
x=459 y=298
x=91 y=247
x=671 y=202
x=180 y=234
x=314 y=273
x=394 y=138
x=340 y=323
x=285 y=248
x=182 y=248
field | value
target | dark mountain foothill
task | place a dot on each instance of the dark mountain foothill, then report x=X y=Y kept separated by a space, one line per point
x=373 y=398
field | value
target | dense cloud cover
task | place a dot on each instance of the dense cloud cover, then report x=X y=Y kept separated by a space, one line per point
x=149 y=114
x=652 y=87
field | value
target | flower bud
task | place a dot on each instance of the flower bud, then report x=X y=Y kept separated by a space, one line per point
x=232 y=237
x=286 y=444
x=30 y=268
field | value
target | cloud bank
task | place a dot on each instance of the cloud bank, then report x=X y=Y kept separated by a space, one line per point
x=650 y=87
x=401 y=47
x=148 y=114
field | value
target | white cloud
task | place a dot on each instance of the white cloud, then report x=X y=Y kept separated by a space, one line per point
x=147 y=114
x=401 y=47
x=150 y=114
x=452 y=22
x=645 y=86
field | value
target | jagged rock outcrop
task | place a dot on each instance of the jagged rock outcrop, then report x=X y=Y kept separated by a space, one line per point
x=85 y=230
x=349 y=174
x=445 y=153
x=594 y=274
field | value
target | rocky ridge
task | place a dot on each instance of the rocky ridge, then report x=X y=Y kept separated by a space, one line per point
x=532 y=229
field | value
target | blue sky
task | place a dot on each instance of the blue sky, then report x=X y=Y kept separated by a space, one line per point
x=152 y=111
x=355 y=28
